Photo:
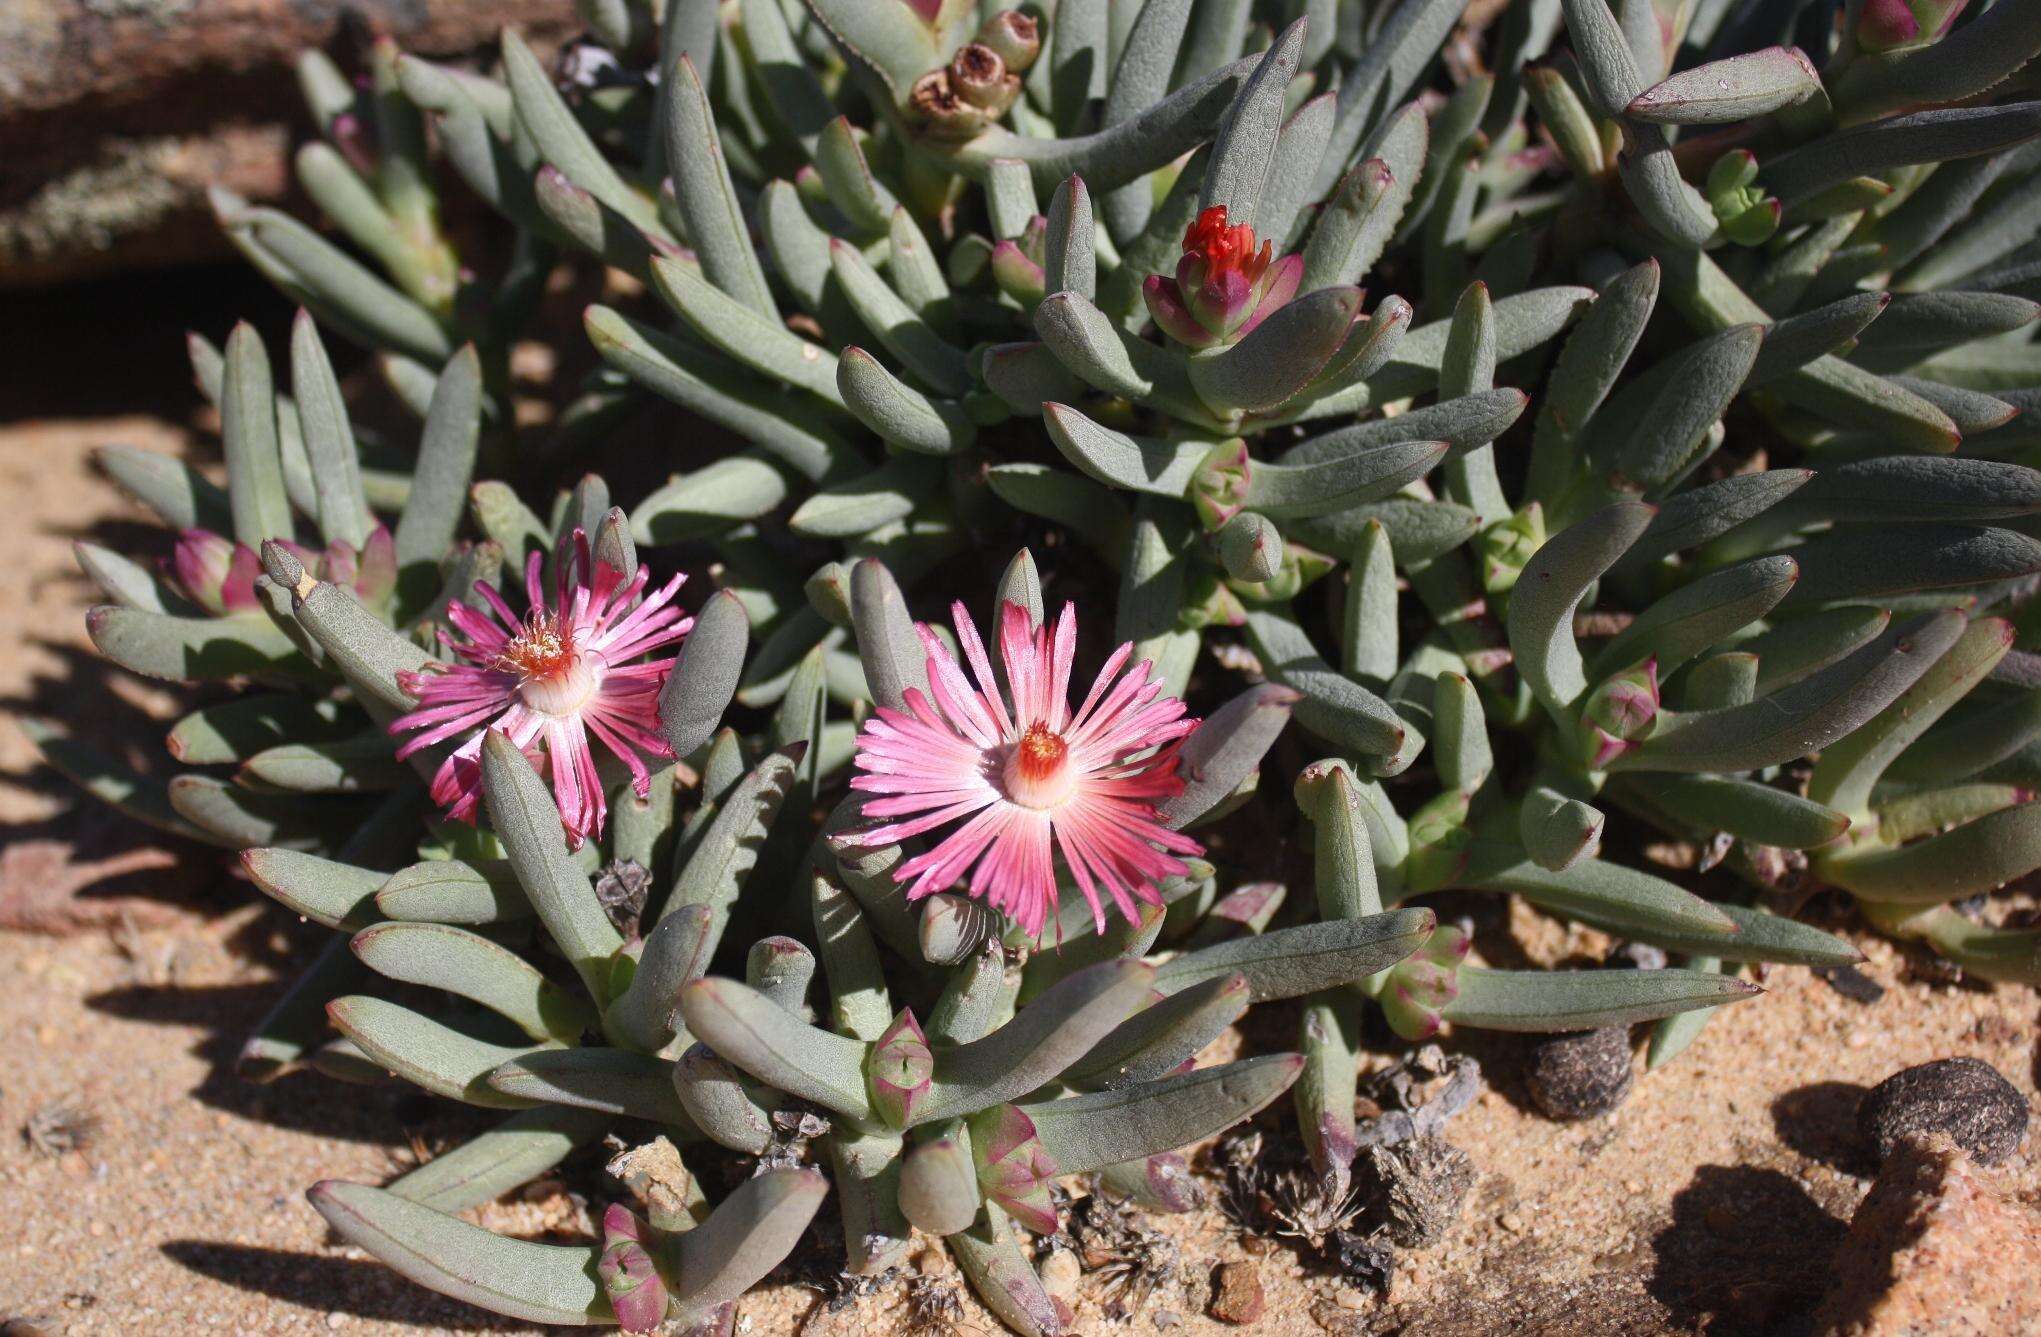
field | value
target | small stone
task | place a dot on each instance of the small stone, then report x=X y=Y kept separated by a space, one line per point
x=1060 y=1273
x=1964 y=1097
x=1638 y=956
x=1237 y=1294
x=1934 y=1252
x=1166 y=1318
x=1363 y=1261
x=1581 y=1074
x=1851 y=983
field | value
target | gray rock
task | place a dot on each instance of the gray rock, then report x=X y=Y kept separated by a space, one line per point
x=1966 y=1098
x=1581 y=1074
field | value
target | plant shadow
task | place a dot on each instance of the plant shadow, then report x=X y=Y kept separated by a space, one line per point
x=360 y=1288
x=1747 y=1250
x=1819 y=1121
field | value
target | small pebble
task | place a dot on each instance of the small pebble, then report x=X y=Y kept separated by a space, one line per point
x=1237 y=1294
x=1966 y=1098
x=1638 y=956
x=1060 y=1273
x=1851 y=983
x=1363 y=1261
x=1581 y=1074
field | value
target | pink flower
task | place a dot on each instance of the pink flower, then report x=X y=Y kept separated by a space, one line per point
x=1223 y=287
x=547 y=681
x=1030 y=780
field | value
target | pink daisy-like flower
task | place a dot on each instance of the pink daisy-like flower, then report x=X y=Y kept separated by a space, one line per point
x=1029 y=780
x=547 y=681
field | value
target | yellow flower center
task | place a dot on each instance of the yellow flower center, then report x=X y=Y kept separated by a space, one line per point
x=1038 y=773
x=555 y=677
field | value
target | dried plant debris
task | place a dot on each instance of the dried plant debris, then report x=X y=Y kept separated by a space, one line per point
x=1417 y=1095
x=793 y=1129
x=61 y=1127
x=1414 y=1189
x=621 y=889
x=935 y=1306
x=1270 y=1191
x=1125 y=1261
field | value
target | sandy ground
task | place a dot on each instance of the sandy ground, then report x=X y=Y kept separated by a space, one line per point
x=1712 y=1199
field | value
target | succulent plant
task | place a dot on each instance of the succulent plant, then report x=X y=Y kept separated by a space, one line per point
x=1514 y=553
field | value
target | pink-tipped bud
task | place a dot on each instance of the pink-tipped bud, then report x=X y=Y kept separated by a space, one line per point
x=1013 y=1169
x=1440 y=842
x=372 y=572
x=1219 y=488
x=1887 y=25
x=637 y=1293
x=1172 y=316
x=1017 y=276
x=1620 y=712
x=1419 y=987
x=214 y=572
x=1162 y=1183
x=356 y=142
x=900 y=1070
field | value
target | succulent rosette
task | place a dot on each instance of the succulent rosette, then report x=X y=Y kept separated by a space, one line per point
x=1678 y=492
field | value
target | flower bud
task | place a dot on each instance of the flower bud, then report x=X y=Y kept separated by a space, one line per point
x=1418 y=988
x=636 y=1290
x=214 y=572
x=1251 y=548
x=1161 y=1183
x=1886 y=25
x=1300 y=566
x=1013 y=1169
x=1015 y=37
x=1440 y=843
x=1745 y=213
x=1505 y=548
x=371 y=573
x=1219 y=488
x=1016 y=275
x=981 y=78
x=1619 y=712
x=899 y=1070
